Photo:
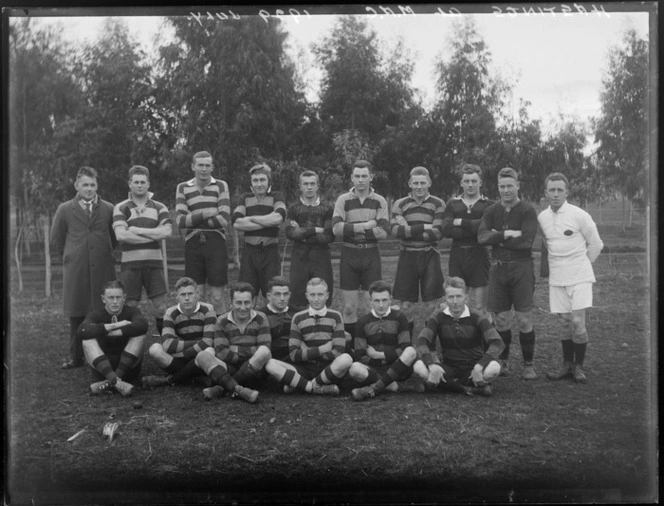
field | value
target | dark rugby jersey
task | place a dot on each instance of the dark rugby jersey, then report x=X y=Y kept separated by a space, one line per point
x=185 y=335
x=93 y=328
x=280 y=326
x=308 y=218
x=429 y=212
x=316 y=331
x=234 y=346
x=388 y=335
x=466 y=233
x=462 y=341
x=250 y=205
x=521 y=217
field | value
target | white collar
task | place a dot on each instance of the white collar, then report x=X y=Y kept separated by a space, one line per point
x=198 y=307
x=192 y=181
x=561 y=209
x=465 y=314
x=389 y=310
x=319 y=312
x=230 y=318
x=316 y=202
x=150 y=195
x=275 y=310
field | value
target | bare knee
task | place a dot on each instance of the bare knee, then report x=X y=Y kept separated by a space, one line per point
x=491 y=371
x=409 y=355
x=524 y=321
x=358 y=372
x=421 y=370
x=502 y=321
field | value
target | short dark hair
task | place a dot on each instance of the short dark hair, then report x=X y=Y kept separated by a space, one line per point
x=362 y=164
x=113 y=285
x=201 y=154
x=420 y=171
x=455 y=282
x=140 y=170
x=316 y=282
x=241 y=287
x=185 y=281
x=379 y=286
x=508 y=172
x=86 y=171
x=556 y=176
x=469 y=168
x=277 y=281
x=310 y=173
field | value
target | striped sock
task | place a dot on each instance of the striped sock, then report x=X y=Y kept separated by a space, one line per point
x=411 y=328
x=221 y=377
x=102 y=364
x=160 y=324
x=527 y=341
x=506 y=335
x=398 y=371
x=127 y=363
x=294 y=380
x=326 y=377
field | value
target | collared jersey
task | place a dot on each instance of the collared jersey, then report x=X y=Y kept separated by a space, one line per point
x=571 y=240
x=280 y=325
x=429 y=212
x=521 y=217
x=234 y=345
x=93 y=327
x=189 y=198
x=251 y=205
x=349 y=209
x=315 y=331
x=471 y=217
x=185 y=335
x=308 y=218
x=127 y=214
x=388 y=334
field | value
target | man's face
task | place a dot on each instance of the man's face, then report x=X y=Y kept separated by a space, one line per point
x=556 y=193
x=309 y=187
x=113 y=299
x=456 y=299
x=380 y=302
x=241 y=305
x=508 y=187
x=86 y=187
x=317 y=296
x=139 y=185
x=361 y=178
x=188 y=298
x=279 y=297
x=419 y=185
x=202 y=168
x=259 y=183
x=471 y=184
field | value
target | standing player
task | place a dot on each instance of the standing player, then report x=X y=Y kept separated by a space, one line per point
x=203 y=208
x=382 y=346
x=82 y=230
x=310 y=229
x=463 y=215
x=241 y=348
x=510 y=227
x=259 y=215
x=469 y=343
x=360 y=220
x=316 y=347
x=572 y=244
x=188 y=328
x=113 y=341
x=417 y=220
x=140 y=223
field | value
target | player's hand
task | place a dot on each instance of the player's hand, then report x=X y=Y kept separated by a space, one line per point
x=294 y=223
x=209 y=213
x=456 y=222
x=370 y=224
x=477 y=376
x=512 y=233
x=327 y=347
x=372 y=353
x=400 y=220
x=436 y=375
x=319 y=230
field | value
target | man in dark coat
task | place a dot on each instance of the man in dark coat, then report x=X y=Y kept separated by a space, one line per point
x=82 y=231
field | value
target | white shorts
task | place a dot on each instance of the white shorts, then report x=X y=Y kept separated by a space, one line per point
x=565 y=299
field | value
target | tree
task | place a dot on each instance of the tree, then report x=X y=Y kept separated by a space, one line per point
x=622 y=129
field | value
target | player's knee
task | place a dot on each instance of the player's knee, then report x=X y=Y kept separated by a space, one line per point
x=524 y=321
x=491 y=371
x=421 y=370
x=342 y=362
x=502 y=321
x=261 y=356
x=272 y=367
x=578 y=324
x=358 y=372
x=409 y=355
x=204 y=359
x=156 y=350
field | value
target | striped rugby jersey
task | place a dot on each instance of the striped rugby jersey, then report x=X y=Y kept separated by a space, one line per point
x=388 y=335
x=471 y=217
x=185 y=335
x=309 y=332
x=127 y=214
x=463 y=342
x=349 y=210
x=189 y=198
x=429 y=212
x=234 y=346
x=280 y=325
x=250 y=205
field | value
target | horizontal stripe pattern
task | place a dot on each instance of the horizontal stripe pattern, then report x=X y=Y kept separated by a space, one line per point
x=309 y=333
x=429 y=212
x=389 y=335
x=127 y=214
x=349 y=210
x=236 y=346
x=250 y=205
x=189 y=198
x=185 y=335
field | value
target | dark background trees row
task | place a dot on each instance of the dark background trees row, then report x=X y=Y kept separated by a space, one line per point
x=230 y=88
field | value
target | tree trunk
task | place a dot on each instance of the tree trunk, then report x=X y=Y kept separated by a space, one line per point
x=631 y=213
x=17 y=259
x=46 y=225
x=600 y=213
x=623 y=214
x=164 y=261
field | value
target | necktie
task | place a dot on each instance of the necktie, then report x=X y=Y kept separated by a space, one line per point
x=88 y=208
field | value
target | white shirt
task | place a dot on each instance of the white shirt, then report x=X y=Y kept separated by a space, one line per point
x=573 y=244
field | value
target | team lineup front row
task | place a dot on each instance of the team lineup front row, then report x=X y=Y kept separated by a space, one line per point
x=87 y=228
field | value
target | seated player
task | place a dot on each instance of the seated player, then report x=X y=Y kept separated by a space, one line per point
x=241 y=348
x=470 y=346
x=317 y=343
x=279 y=314
x=188 y=329
x=382 y=346
x=113 y=339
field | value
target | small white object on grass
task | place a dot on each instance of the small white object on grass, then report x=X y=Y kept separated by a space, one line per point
x=109 y=430
x=625 y=345
x=76 y=435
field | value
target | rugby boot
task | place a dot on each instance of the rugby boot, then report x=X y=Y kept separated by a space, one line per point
x=123 y=387
x=246 y=394
x=214 y=392
x=529 y=373
x=484 y=391
x=100 y=387
x=360 y=394
x=579 y=375
x=564 y=372
x=504 y=368
x=332 y=390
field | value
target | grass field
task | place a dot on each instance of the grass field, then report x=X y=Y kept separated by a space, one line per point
x=535 y=441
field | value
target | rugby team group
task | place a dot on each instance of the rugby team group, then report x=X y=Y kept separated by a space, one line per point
x=295 y=341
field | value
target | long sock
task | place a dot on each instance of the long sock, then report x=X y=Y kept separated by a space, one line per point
x=327 y=377
x=527 y=341
x=160 y=324
x=294 y=379
x=350 y=328
x=411 y=329
x=579 y=353
x=568 y=350
x=221 y=377
x=103 y=365
x=75 y=344
x=245 y=373
x=187 y=373
x=506 y=336
x=398 y=371
x=127 y=363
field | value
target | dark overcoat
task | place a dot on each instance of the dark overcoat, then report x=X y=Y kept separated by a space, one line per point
x=87 y=245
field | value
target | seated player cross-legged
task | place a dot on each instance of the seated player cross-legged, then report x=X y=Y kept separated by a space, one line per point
x=188 y=329
x=317 y=342
x=382 y=346
x=470 y=346
x=113 y=340
x=242 y=343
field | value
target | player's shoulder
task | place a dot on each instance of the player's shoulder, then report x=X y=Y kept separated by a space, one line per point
x=277 y=195
x=333 y=313
x=206 y=308
x=261 y=316
x=120 y=206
